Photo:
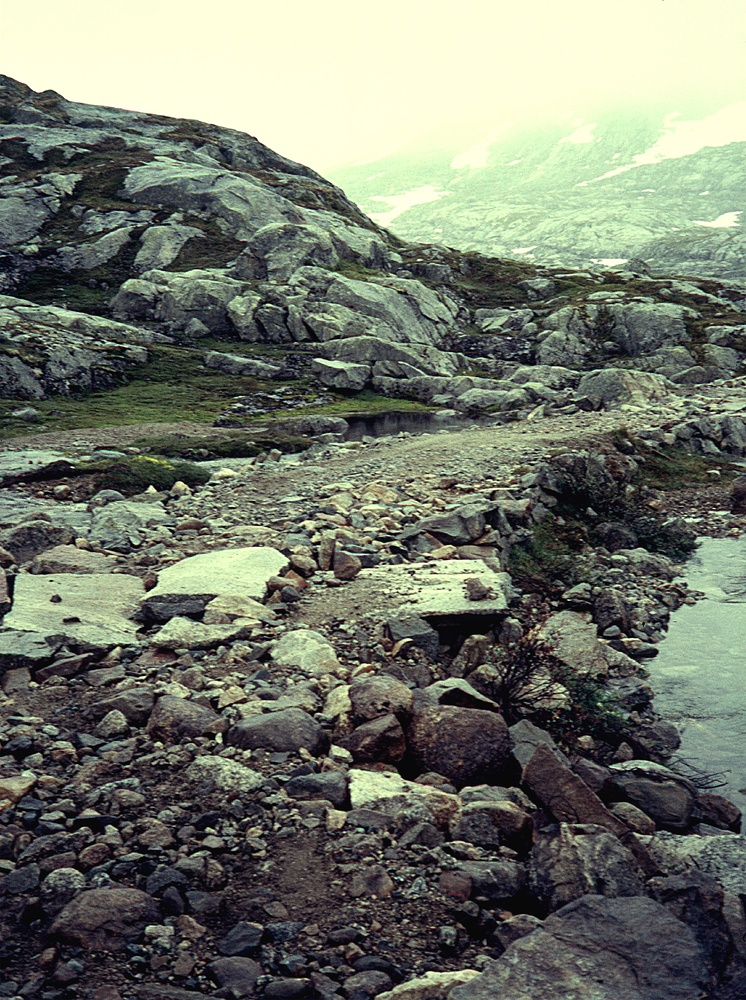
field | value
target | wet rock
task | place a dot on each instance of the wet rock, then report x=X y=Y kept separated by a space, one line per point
x=666 y=797
x=105 y=919
x=290 y=730
x=465 y=745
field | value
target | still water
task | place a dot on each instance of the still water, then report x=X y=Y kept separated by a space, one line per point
x=700 y=674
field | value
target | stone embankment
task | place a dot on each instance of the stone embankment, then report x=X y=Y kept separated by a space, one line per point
x=300 y=733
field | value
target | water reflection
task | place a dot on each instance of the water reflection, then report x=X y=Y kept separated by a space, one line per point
x=700 y=675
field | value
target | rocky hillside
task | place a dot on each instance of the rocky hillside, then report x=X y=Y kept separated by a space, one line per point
x=368 y=718
x=126 y=240
x=664 y=188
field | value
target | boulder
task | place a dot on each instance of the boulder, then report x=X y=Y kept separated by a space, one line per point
x=105 y=919
x=381 y=739
x=175 y=719
x=575 y=859
x=290 y=729
x=372 y=697
x=27 y=540
x=572 y=638
x=595 y=948
x=667 y=798
x=465 y=745
x=344 y=375
x=307 y=650
x=388 y=793
x=492 y=824
x=70 y=559
x=222 y=775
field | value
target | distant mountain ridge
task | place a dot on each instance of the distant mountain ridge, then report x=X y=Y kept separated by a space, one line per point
x=667 y=189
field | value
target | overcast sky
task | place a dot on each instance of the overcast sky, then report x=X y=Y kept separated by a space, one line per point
x=328 y=82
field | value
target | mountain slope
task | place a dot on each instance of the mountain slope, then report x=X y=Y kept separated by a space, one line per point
x=665 y=189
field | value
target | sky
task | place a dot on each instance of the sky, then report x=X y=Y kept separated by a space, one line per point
x=332 y=82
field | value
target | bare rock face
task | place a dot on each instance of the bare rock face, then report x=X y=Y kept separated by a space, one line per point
x=465 y=745
x=105 y=919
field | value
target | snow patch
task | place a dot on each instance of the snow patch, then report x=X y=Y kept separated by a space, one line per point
x=684 y=138
x=581 y=136
x=400 y=203
x=609 y=261
x=522 y=249
x=725 y=221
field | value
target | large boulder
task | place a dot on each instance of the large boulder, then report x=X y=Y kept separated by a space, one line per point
x=105 y=919
x=598 y=949
x=667 y=798
x=465 y=745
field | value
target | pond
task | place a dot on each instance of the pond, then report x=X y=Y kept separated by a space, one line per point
x=386 y=424
x=699 y=675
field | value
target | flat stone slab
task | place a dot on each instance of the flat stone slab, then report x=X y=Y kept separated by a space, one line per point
x=239 y=572
x=89 y=610
x=438 y=589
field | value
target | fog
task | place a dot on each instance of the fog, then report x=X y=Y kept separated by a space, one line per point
x=334 y=82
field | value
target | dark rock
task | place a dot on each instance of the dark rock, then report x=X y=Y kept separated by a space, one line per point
x=497 y=881
x=368 y=983
x=286 y=989
x=26 y=649
x=105 y=919
x=614 y=536
x=242 y=939
x=697 y=901
x=465 y=745
x=287 y=730
x=21 y=880
x=378 y=740
x=331 y=785
x=423 y=636
x=236 y=973
x=135 y=704
x=598 y=949
x=718 y=811
x=664 y=796
x=346 y=566
x=24 y=541
x=610 y=608
x=175 y=719
x=491 y=824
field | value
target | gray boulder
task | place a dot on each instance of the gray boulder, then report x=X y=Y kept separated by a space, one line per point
x=598 y=949
x=290 y=730
x=344 y=375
